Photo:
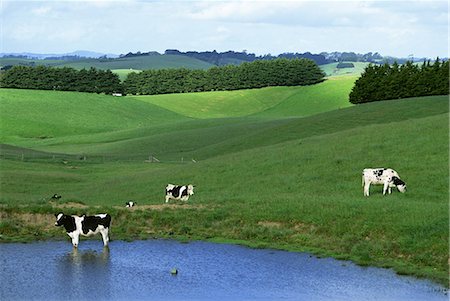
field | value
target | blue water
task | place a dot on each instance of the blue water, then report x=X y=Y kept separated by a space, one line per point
x=141 y=270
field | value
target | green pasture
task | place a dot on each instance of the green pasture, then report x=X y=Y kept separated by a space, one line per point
x=40 y=115
x=332 y=70
x=265 y=176
x=273 y=102
x=207 y=138
x=138 y=62
x=159 y=62
x=122 y=73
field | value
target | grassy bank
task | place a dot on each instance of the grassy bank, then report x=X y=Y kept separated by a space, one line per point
x=273 y=102
x=283 y=182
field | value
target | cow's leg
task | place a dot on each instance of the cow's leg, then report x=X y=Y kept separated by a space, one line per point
x=385 y=187
x=167 y=198
x=389 y=190
x=366 y=188
x=75 y=239
x=105 y=236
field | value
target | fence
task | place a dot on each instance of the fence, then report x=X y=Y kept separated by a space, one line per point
x=36 y=156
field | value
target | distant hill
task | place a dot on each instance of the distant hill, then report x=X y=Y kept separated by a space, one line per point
x=173 y=58
x=134 y=62
x=333 y=70
x=77 y=53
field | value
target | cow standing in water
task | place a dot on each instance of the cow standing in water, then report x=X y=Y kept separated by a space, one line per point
x=382 y=176
x=84 y=225
x=177 y=192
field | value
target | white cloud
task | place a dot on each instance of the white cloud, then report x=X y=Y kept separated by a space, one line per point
x=41 y=11
x=389 y=27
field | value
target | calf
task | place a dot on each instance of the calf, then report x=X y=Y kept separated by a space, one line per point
x=84 y=225
x=177 y=192
x=130 y=204
x=382 y=176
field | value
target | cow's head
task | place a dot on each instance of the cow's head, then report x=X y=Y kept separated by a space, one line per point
x=401 y=186
x=60 y=219
x=190 y=189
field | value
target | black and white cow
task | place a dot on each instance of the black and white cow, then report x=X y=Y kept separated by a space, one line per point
x=382 y=176
x=56 y=196
x=177 y=192
x=84 y=225
x=130 y=204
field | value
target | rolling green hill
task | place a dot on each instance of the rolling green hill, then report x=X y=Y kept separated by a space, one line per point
x=264 y=175
x=266 y=102
x=138 y=63
x=83 y=113
x=124 y=72
x=332 y=70
x=141 y=62
x=31 y=114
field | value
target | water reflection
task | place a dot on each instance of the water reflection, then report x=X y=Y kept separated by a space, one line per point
x=78 y=258
x=85 y=274
x=141 y=271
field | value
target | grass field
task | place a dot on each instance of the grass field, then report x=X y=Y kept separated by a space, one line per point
x=272 y=102
x=138 y=63
x=122 y=66
x=332 y=70
x=265 y=175
x=122 y=73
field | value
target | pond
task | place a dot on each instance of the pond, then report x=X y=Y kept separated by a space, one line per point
x=142 y=270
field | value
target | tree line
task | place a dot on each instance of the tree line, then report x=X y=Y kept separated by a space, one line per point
x=62 y=79
x=236 y=57
x=382 y=82
x=232 y=57
x=257 y=74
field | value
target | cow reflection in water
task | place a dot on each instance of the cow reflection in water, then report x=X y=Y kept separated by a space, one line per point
x=89 y=257
x=86 y=274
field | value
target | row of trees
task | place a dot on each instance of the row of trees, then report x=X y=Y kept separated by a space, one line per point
x=63 y=79
x=236 y=58
x=381 y=82
x=257 y=74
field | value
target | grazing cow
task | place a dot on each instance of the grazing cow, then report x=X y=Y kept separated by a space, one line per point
x=382 y=176
x=177 y=192
x=84 y=225
x=130 y=204
x=56 y=196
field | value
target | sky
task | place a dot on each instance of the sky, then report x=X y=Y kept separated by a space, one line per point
x=392 y=28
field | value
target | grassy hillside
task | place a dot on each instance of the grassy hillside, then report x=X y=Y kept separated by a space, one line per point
x=273 y=102
x=75 y=113
x=203 y=139
x=332 y=70
x=124 y=72
x=139 y=62
x=142 y=62
x=266 y=177
x=273 y=148
x=30 y=114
